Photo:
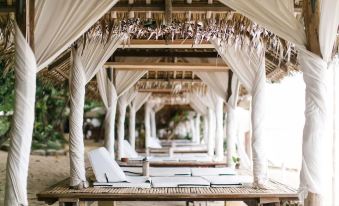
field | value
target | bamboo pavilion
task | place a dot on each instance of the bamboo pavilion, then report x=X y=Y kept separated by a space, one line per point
x=206 y=54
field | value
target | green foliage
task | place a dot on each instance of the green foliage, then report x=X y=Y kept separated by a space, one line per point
x=6 y=98
x=49 y=116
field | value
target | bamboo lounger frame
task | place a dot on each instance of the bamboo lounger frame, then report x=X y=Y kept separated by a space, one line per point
x=279 y=193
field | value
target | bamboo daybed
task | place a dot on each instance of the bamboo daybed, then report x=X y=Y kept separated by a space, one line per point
x=278 y=194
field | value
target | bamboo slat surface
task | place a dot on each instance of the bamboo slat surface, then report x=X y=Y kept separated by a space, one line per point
x=62 y=190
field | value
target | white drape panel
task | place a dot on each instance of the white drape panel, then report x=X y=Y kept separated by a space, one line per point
x=51 y=39
x=153 y=124
x=193 y=130
x=231 y=131
x=249 y=67
x=21 y=127
x=219 y=139
x=197 y=127
x=124 y=100
x=205 y=139
x=211 y=132
x=217 y=81
x=59 y=23
x=86 y=63
x=148 y=108
x=197 y=104
x=109 y=98
x=315 y=77
x=328 y=27
x=274 y=15
x=124 y=80
x=135 y=105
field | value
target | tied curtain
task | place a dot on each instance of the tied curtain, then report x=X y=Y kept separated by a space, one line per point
x=278 y=17
x=218 y=82
x=124 y=100
x=201 y=109
x=134 y=106
x=249 y=67
x=68 y=21
x=124 y=80
x=87 y=61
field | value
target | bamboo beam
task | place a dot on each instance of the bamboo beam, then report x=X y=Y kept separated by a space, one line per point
x=177 y=7
x=163 y=91
x=172 y=80
x=163 y=44
x=161 y=66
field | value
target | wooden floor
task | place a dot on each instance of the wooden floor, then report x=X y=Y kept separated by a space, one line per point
x=277 y=193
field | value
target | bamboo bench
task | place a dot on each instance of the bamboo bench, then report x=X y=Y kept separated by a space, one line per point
x=277 y=195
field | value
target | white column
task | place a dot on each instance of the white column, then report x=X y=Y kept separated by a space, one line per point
x=315 y=136
x=231 y=135
x=121 y=128
x=147 y=124
x=22 y=123
x=211 y=132
x=132 y=114
x=219 y=144
x=153 y=124
x=197 y=127
x=76 y=139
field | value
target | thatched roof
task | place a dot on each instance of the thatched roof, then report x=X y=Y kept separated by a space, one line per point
x=192 y=25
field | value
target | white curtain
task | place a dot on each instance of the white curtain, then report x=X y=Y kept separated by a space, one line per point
x=86 y=63
x=147 y=120
x=210 y=100
x=109 y=97
x=249 y=67
x=217 y=81
x=124 y=100
x=124 y=80
x=53 y=33
x=278 y=18
x=231 y=131
x=153 y=124
x=22 y=123
x=219 y=139
x=275 y=15
x=315 y=74
x=59 y=23
x=139 y=99
x=197 y=127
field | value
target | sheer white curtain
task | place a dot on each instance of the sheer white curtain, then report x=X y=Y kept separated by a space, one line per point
x=231 y=131
x=217 y=81
x=139 y=99
x=147 y=120
x=124 y=80
x=249 y=66
x=86 y=63
x=124 y=100
x=277 y=17
x=59 y=23
x=22 y=123
x=109 y=97
x=52 y=35
x=198 y=128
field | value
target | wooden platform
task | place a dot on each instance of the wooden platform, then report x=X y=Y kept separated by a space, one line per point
x=278 y=193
